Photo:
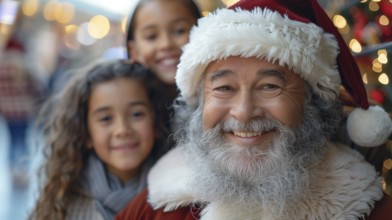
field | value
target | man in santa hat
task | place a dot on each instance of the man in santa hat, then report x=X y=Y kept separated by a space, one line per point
x=258 y=110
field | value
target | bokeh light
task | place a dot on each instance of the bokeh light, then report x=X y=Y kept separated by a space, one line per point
x=383 y=79
x=355 y=46
x=99 y=26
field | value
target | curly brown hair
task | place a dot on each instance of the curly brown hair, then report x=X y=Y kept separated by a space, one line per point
x=63 y=119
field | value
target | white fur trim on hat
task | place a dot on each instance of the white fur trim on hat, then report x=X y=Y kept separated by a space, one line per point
x=304 y=47
x=369 y=128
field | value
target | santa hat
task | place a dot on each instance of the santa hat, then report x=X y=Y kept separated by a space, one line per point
x=295 y=33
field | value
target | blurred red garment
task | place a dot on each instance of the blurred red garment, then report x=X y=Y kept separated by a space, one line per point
x=18 y=89
x=19 y=92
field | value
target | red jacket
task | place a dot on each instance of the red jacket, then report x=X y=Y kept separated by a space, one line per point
x=139 y=209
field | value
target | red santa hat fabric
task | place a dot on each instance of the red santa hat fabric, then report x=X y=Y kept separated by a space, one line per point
x=310 y=11
x=295 y=33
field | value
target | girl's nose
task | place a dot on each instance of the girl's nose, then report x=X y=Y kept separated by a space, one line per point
x=122 y=128
x=166 y=41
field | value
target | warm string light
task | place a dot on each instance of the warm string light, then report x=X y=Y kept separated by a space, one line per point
x=87 y=32
x=229 y=3
x=124 y=23
x=66 y=14
x=377 y=65
x=383 y=20
x=339 y=21
x=98 y=26
x=373 y=6
x=364 y=78
x=62 y=12
x=30 y=7
x=355 y=46
x=50 y=9
x=383 y=79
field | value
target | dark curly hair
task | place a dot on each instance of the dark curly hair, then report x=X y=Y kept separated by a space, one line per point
x=63 y=119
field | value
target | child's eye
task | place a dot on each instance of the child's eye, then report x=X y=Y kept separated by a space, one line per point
x=105 y=119
x=150 y=37
x=180 y=31
x=137 y=114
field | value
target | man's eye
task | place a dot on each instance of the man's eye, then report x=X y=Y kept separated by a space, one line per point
x=270 y=90
x=223 y=92
x=223 y=88
x=270 y=87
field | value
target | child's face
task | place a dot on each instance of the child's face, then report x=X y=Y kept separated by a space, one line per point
x=161 y=29
x=120 y=122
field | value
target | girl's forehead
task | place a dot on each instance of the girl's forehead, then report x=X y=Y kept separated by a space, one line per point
x=163 y=7
x=118 y=89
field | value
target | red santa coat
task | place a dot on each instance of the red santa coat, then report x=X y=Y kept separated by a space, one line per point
x=346 y=186
x=139 y=209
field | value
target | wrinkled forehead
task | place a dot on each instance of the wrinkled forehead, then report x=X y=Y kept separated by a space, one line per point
x=243 y=66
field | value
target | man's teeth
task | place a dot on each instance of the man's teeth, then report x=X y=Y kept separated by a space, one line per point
x=246 y=134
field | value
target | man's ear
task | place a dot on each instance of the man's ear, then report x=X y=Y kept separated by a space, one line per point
x=132 y=51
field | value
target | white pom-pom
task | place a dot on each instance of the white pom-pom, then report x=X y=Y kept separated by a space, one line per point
x=369 y=128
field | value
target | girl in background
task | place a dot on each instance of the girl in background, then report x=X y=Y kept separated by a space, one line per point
x=157 y=31
x=102 y=135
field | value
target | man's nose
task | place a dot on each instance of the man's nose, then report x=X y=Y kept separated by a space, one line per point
x=245 y=108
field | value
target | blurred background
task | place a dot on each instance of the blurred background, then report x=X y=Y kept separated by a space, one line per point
x=41 y=39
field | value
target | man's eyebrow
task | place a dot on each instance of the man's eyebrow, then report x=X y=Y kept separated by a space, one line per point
x=218 y=74
x=272 y=72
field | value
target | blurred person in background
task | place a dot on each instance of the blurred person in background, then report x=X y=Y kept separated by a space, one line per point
x=157 y=31
x=20 y=92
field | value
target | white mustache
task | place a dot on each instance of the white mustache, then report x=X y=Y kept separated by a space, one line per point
x=258 y=126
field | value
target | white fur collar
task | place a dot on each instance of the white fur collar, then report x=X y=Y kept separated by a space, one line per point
x=345 y=188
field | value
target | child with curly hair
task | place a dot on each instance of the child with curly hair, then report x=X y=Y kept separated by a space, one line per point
x=102 y=134
x=157 y=30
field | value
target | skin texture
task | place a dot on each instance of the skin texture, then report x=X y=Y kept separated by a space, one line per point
x=161 y=29
x=120 y=123
x=248 y=88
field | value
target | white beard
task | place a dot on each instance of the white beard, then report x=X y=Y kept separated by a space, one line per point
x=250 y=177
x=294 y=176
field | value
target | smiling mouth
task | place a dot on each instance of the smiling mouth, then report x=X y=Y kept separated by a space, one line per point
x=125 y=146
x=245 y=134
x=169 y=62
